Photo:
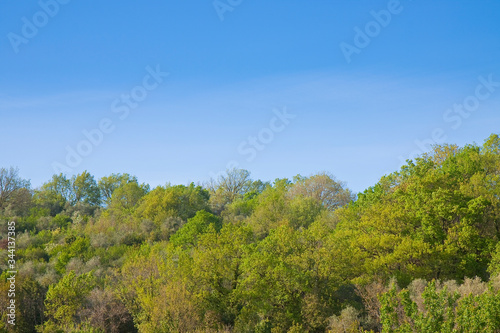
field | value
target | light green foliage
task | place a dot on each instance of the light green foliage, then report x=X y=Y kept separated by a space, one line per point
x=270 y=211
x=242 y=255
x=436 y=218
x=55 y=194
x=323 y=189
x=154 y=288
x=284 y=283
x=296 y=204
x=64 y=300
x=347 y=322
x=108 y=185
x=443 y=311
x=60 y=192
x=173 y=201
x=125 y=198
x=85 y=189
x=241 y=208
x=196 y=226
x=75 y=248
x=216 y=271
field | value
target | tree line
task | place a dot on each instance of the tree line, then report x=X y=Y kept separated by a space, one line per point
x=416 y=252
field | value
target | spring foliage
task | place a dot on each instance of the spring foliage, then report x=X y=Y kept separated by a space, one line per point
x=417 y=252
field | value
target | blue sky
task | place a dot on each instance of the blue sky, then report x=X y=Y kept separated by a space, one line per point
x=67 y=67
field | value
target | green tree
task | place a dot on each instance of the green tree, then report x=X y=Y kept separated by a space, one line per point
x=275 y=206
x=64 y=300
x=126 y=197
x=109 y=184
x=75 y=248
x=85 y=189
x=189 y=233
x=216 y=272
x=323 y=188
x=172 y=201
x=54 y=194
x=436 y=218
x=285 y=282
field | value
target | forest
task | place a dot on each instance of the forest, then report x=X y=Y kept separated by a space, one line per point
x=418 y=251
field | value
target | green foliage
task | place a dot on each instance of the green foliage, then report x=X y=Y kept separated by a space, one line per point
x=242 y=255
x=437 y=218
x=241 y=208
x=190 y=232
x=60 y=192
x=216 y=271
x=75 y=248
x=61 y=220
x=34 y=254
x=31 y=220
x=442 y=311
x=85 y=189
x=270 y=211
x=108 y=185
x=284 y=283
x=126 y=197
x=29 y=299
x=323 y=189
x=173 y=201
x=63 y=301
x=55 y=194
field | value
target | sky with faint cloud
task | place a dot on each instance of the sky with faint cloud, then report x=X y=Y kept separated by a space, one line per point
x=365 y=84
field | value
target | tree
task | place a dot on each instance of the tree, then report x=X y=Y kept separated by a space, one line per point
x=435 y=218
x=54 y=194
x=60 y=190
x=75 y=248
x=216 y=272
x=172 y=201
x=10 y=183
x=227 y=188
x=109 y=184
x=492 y=144
x=285 y=281
x=30 y=299
x=20 y=203
x=275 y=206
x=64 y=301
x=106 y=312
x=440 y=310
x=127 y=196
x=322 y=188
x=85 y=189
x=196 y=226
x=271 y=208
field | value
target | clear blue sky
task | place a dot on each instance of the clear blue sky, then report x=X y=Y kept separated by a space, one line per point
x=65 y=69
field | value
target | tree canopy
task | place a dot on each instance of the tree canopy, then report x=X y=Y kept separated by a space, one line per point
x=418 y=251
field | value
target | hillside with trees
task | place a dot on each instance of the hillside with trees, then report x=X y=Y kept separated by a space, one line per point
x=418 y=251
